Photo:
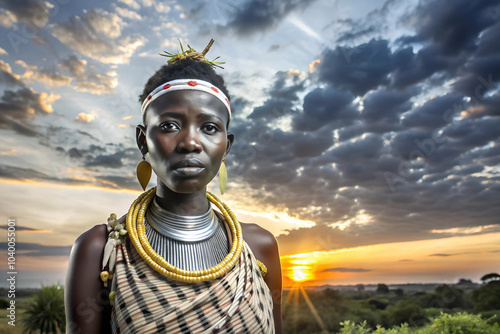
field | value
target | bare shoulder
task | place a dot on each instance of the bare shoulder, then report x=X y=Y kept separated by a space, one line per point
x=85 y=297
x=91 y=239
x=265 y=248
x=261 y=241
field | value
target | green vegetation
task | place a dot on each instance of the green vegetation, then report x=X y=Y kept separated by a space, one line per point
x=464 y=308
x=45 y=312
x=455 y=309
x=459 y=323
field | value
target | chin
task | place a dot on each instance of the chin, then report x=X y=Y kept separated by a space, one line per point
x=186 y=188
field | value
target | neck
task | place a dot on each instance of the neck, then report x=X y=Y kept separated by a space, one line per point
x=190 y=204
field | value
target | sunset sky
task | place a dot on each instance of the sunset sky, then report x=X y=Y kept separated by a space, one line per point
x=367 y=132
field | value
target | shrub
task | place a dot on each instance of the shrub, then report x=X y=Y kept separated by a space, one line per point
x=459 y=323
x=487 y=297
x=45 y=312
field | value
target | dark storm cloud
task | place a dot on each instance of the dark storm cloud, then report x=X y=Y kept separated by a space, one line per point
x=454 y=33
x=432 y=114
x=18 y=108
x=387 y=105
x=114 y=160
x=357 y=69
x=386 y=143
x=452 y=27
x=33 y=249
x=256 y=16
x=325 y=106
x=352 y=31
x=34 y=12
x=282 y=97
x=7 y=77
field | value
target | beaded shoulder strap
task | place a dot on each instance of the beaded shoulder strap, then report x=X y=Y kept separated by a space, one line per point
x=116 y=237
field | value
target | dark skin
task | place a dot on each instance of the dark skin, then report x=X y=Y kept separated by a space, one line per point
x=185 y=139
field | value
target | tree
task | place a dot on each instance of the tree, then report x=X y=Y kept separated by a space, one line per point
x=399 y=292
x=487 y=297
x=490 y=277
x=45 y=312
x=382 y=288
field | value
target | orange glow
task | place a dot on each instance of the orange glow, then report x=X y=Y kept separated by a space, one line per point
x=299 y=274
x=299 y=269
x=424 y=261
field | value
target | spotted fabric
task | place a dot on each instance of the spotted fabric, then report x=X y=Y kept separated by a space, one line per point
x=148 y=302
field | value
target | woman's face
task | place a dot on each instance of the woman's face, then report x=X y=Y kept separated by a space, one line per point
x=186 y=138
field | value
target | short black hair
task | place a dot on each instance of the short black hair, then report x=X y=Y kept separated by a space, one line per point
x=184 y=69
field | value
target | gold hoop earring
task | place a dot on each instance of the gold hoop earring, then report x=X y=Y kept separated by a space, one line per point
x=143 y=173
x=223 y=177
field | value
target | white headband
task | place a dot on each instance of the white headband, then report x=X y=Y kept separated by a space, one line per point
x=186 y=84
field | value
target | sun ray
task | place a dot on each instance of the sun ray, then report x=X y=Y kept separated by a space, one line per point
x=312 y=308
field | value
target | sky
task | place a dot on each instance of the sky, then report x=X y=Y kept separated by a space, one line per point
x=367 y=132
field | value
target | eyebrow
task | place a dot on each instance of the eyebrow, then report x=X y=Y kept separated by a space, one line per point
x=182 y=115
x=202 y=115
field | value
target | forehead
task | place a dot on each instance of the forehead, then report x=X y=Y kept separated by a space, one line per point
x=188 y=102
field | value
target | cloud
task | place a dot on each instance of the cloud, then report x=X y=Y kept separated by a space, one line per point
x=51 y=78
x=7 y=76
x=33 y=12
x=98 y=83
x=97 y=35
x=258 y=15
x=345 y=270
x=357 y=69
x=379 y=143
x=282 y=96
x=85 y=117
x=87 y=78
x=74 y=65
x=325 y=106
x=451 y=28
x=18 y=109
x=114 y=160
x=19 y=173
x=34 y=249
x=250 y=17
x=131 y=3
x=7 y=18
x=24 y=229
x=126 y=13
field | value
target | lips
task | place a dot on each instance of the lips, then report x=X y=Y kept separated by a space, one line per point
x=188 y=163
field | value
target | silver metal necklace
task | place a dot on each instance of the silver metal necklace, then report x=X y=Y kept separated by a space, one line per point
x=187 y=242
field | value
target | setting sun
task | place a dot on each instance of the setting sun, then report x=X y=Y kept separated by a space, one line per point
x=299 y=274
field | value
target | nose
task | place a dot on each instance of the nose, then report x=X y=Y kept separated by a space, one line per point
x=188 y=141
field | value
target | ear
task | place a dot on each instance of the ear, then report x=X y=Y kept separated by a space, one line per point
x=230 y=141
x=140 y=136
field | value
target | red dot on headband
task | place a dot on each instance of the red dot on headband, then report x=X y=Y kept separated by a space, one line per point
x=215 y=89
x=149 y=97
x=192 y=83
x=167 y=86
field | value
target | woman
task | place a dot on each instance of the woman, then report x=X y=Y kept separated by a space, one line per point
x=173 y=264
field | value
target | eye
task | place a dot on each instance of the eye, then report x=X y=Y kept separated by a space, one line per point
x=169 y=126
x=210 y=128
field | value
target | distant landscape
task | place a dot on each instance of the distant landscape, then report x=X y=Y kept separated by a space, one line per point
x=346 y=309
x=322 y=309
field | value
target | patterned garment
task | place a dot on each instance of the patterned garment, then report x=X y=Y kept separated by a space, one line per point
x=147 y=302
